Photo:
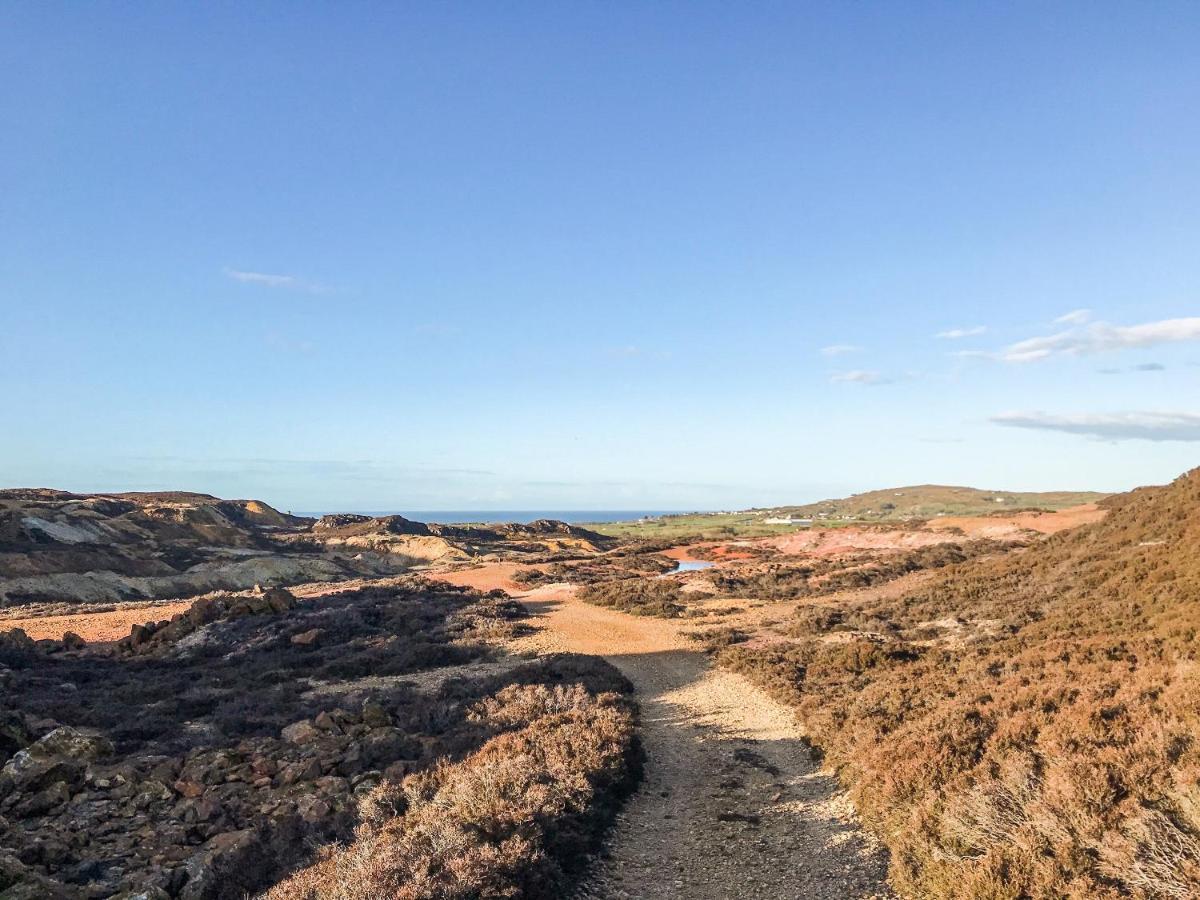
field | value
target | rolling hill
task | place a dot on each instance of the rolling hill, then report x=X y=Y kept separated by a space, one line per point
x=924 y=501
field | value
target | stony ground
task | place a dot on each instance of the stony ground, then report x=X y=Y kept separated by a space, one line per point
x=111 y=625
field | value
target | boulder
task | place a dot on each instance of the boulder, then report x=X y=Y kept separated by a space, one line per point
x=14 y=733
x=326 y=722
x=16 y=639
x=203 y=611
x=375 y=716
x=227 y=861
x=279 y=599
x=41 y=802
x=62 y=755
x=302 y=732
x=307 y=638
x=72 y=641
x=19 y=882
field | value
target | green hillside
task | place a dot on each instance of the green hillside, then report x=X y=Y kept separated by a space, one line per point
x=925 y=501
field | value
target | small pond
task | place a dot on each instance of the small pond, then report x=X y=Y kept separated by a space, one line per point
x=692 y=566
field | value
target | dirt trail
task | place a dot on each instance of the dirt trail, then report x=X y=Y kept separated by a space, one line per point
x=733 y=803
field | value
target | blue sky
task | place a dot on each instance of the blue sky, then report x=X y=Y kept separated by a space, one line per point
x=597 y=255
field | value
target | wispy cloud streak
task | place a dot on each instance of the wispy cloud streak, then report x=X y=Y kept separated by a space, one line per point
x=955 y=334
x=1100 y=337
x=866 y=377
x=286 y=282
x=1119 y=426
x=1075 y=317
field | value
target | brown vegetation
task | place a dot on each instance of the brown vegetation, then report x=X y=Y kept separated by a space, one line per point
x=207 y=755
x=625 y=563
x=789 y=581
x=1023 y=726
x=639 y=596
x=512 y=819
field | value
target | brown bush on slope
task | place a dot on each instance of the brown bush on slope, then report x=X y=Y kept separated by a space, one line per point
x=609 y=567
x=507 y=821
x=1047 y=746
x=638 y=596
x=782 y=581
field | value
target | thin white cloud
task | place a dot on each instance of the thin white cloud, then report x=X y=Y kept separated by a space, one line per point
x=1101 y=337
x=973 y=354
x=955 y=334
x=840 y=349
x=859 y=376
x=628 y=350
x=1120 y=426
x=1140 y=367
x=286 y=344
x=1075 y=317
x=633 y=351
x=287 y=282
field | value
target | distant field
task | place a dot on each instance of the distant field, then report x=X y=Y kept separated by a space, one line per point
x=928 y=500
x=891 y=505
x=698 y=526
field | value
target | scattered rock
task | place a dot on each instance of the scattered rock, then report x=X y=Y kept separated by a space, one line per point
x=72 y=641
x=302 y=732
x=375 y=716
x=307 y=638
x=62 y=755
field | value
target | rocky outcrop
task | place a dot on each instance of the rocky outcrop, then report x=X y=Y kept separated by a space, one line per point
x=60 y=547
x=232 y=574
x=155 y=636
x=336 y=521
x=56 y=546
x=203 y=825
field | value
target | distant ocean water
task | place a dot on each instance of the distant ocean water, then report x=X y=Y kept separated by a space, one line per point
x=524 y=516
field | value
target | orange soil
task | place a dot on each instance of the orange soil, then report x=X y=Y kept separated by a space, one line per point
x=484 y=578
x=1006 y=526
x=832 y=541
x=94 y=627
x=719 y=552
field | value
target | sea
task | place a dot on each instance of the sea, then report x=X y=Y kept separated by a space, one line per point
x=523 y=516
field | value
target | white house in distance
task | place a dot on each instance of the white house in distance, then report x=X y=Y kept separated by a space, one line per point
x=787 y=520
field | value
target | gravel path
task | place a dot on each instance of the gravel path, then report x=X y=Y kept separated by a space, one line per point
x=733 y=804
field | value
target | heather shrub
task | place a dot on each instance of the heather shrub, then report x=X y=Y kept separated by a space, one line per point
x=1045 y=743
x=639 y=596
x=714 y=639
x=790 y=581
x=511 y=819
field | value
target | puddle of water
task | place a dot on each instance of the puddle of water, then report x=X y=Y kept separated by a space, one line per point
x=692 y=566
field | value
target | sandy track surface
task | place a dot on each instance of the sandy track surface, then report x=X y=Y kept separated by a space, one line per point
x=733 y=803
